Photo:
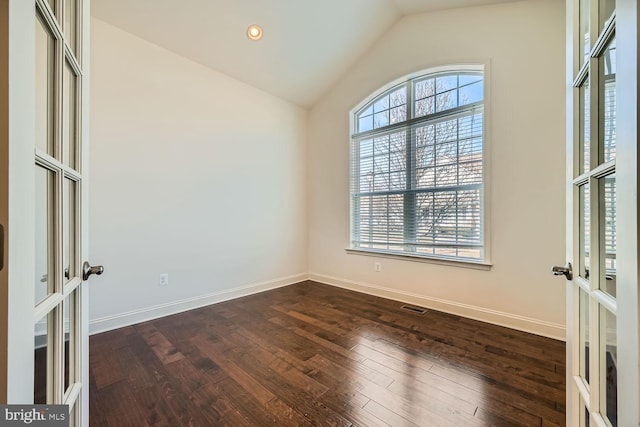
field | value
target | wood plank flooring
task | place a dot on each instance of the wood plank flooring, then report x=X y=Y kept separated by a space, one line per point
x=312 y=354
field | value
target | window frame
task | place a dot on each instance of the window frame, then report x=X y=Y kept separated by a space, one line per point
x=409 y=81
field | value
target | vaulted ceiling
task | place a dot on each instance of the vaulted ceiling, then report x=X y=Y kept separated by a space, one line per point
x=307 y=44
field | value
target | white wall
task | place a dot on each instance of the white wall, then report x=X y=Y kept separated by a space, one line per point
x=193 y=174
x=524 y=43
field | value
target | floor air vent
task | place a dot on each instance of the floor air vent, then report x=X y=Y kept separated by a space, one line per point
x=414 y=309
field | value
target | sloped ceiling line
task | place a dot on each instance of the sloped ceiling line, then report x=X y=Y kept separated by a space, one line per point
x=307 y=45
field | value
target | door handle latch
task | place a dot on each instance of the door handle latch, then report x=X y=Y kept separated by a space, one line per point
x=566 y=271
x=88 y=270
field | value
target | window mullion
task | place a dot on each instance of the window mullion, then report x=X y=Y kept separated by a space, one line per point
x=355 y=183
x=409 y=206
x=458 y=181
x=462 y=111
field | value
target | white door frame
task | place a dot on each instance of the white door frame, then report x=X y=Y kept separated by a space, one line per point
x=4 y=189
x=83 y=325
x=627 y=212
x=19 y=231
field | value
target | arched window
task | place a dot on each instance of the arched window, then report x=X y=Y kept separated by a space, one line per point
x=417 y=168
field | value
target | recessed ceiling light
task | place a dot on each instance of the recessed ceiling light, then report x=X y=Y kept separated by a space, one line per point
x=254 y=32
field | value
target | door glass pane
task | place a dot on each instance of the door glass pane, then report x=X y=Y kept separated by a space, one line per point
x=45 y=63
x=584 y=336
x=69 y=114
x=41 y=360
x=583 y=32
x=584 y=414
x=606 y=9
x=585 y=123
x=608 y=255
x=70 y=11
x=608 y=366
x=608 y=101
x=69 y=224
x=74 y=416
x=69 y=342
x=44 y=273
x=52 y=3
x=585 y=240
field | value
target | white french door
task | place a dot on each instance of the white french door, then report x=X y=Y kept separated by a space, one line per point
x=46 y=306
x=602 y=293
x=58 y=183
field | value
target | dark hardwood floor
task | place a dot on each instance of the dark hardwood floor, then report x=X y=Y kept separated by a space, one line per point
x=312 y=354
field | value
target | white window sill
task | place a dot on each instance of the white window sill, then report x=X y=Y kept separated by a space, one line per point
x=476 y=265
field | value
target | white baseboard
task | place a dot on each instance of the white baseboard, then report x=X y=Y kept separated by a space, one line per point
x=121 y=320
x=513 y=321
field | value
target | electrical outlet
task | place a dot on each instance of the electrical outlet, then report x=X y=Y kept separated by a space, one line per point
x=377 y=267
x=164 y=279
